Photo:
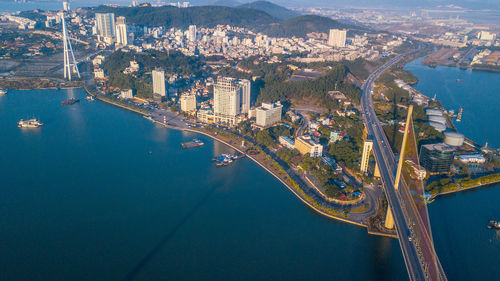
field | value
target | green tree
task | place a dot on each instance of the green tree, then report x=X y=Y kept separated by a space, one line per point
x=264 y=138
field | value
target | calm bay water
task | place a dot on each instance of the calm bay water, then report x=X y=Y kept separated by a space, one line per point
x=467 y=249
x=99 y=193
x=478 y=94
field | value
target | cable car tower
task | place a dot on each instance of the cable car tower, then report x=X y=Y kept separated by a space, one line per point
x=69 y=67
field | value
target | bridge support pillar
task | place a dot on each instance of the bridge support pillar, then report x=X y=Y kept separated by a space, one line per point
x=376 y=173
x=389 y=220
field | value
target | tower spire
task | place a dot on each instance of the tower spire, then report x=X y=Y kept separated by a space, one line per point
x=69 y=67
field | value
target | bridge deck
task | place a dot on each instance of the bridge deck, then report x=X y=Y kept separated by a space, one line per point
x=414 y=233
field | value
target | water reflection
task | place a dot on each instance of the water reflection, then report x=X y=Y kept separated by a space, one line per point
x=160 y=133
x=75 y=113
x=380 y=255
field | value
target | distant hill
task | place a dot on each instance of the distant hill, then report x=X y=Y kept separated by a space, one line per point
x=272 y=9
x=208 y=16
x=300 y=26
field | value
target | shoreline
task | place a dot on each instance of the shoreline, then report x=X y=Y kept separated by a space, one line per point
x=269 y=171
x=290 y=188
x=473 y=143
x=433 y=197
x=471 y=68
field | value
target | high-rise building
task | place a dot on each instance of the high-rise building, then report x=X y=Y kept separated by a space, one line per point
x=231 y=98
x=188 y=103
x=436 y=158
x=105 y=23
x=365 y=157
x=268 y=114
x=66 y=6
x=121 y=31
x=486 y=36
x=246 y=87
x=337 y=38
x=227 y=95
x=192 y=33
x=158 y=82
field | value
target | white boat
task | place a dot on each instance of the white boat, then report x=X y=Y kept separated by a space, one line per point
x=3 y=92
x=31 y=123
x=90 y=98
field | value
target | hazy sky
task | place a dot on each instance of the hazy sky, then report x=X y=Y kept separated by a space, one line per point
x=472 y=4
x=475 y=4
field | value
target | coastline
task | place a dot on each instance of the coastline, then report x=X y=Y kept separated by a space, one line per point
x=265 y=168
x=281 y=179
x=433 y=197
x=470 y=142
x=472 y=68
x=288 y=186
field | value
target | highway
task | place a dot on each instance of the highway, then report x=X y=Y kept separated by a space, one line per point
x=414 y=237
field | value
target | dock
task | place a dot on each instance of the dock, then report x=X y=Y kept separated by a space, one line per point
x=193 y=143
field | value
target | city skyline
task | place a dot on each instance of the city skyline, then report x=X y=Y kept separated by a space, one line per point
x=180 y=134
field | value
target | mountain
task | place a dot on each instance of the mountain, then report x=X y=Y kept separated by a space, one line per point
x=300 y=26
x=272 y=9
x=208 y=16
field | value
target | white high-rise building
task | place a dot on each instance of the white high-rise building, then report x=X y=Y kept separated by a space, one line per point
x=365 y=157
x=337 y=38
x=66 y=6
x=105 y=23
x=268 y=114
x=486 y=36
x=227 y=95
x=158 y=82
x=245 y=95
x=192 y=33
x=231 y=98
x=121 y=31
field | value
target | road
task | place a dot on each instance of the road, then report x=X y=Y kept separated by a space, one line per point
x=414 y=238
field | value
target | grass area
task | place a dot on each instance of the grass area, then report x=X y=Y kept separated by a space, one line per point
x=360 y=209
x=447 y=185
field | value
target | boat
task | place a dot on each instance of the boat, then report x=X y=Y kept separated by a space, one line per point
x=460 y=80
x=31 y=123
x=193 y=143
x=3 y=92
x=90 y=98
x=224 y=162
x=70 y=101
x=226 y=159
x=493 y=224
